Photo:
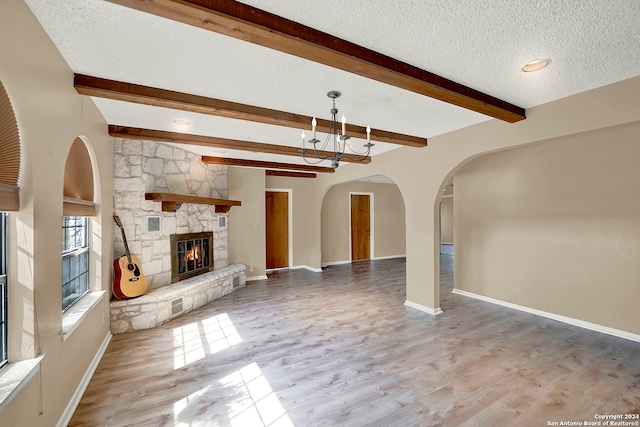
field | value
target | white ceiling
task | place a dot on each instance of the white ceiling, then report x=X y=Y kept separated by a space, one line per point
x=480 y=44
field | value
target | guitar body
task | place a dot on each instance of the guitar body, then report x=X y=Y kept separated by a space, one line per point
x=129 y=281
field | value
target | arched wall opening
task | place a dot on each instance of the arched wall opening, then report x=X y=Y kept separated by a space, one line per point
x=552 y=228
x=386 y=218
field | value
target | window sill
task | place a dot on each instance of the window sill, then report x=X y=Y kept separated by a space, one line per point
x=13 y=378
x=76 y=314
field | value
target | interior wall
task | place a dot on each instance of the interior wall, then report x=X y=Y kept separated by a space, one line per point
x=50 y=115
x=246 y=223
x=555 y=226
x=446 y=220
x=306 y=218
x=388 y=221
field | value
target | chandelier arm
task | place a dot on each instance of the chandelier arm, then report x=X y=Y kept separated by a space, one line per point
x=363 y=156
x=306 y=159
x=320 y=159
x=324 y=146
x=357 y=152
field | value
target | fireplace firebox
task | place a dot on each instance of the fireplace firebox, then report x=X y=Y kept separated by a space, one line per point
x=191 y=255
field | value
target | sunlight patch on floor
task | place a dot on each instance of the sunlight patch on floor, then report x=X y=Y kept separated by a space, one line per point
x=254 y=403
x=196 y=340
x=249 y=402
x=182 y=406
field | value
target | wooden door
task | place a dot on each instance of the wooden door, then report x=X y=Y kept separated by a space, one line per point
x=360 y=227
x=277 y=228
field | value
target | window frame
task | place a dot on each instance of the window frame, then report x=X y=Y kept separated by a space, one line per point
x=74 y=253
x=4 y=300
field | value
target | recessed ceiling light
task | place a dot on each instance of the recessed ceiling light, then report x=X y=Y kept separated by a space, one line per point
x=536 y=65
x=181 y=122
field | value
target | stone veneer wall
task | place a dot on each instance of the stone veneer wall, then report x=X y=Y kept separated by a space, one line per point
x=146 y=166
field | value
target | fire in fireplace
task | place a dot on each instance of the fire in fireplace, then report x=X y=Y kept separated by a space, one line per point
x=191 y=255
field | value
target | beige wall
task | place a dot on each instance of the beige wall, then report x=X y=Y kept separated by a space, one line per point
x=555 y=227
x=388 y=221
x=446 y=220
x=306 y=218
x=50 y=116
x=246 y=222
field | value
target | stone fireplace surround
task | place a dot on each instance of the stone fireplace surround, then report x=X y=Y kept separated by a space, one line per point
x=146 y=166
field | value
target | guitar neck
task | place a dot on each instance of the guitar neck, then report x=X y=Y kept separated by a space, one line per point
x=126 y=246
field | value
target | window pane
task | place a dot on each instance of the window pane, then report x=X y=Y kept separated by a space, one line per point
x=84 y=261
x=65 y=270
x=75 y=259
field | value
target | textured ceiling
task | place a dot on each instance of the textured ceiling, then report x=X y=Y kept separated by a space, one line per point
x=480 y=44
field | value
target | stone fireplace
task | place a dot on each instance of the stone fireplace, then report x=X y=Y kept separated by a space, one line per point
x=180 y=270
x=191 y=255
x=145 y=166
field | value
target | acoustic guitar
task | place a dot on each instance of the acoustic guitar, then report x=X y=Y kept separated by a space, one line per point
x=129 y=281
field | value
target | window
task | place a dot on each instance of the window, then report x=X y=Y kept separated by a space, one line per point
x=75 y=259
x=3 y=289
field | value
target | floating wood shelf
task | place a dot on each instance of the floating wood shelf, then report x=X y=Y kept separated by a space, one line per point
x=172 y=202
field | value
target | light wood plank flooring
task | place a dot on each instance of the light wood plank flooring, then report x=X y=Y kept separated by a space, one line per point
x=339 y=348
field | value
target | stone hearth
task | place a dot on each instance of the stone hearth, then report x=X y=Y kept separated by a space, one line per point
x=161 y=305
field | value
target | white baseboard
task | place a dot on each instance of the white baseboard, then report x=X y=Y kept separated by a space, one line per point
x=337 y=262
x=75 y=400
x=306 y=267
x=431 y=311
x=296 y=267
x=372 y=259
x=564 y=319
x=251 y=279
x=388 y=257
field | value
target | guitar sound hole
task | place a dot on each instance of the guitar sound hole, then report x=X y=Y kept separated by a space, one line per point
x=131 y=267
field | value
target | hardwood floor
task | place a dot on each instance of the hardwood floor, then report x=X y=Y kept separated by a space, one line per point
x=339 y=348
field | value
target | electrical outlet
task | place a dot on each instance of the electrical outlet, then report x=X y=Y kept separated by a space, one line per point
x=250 y=268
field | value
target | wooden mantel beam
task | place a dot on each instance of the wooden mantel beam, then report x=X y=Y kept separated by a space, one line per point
x=139 y=94
x=171 y=202
x=266 y=165
x=211 y=141
x=244 y=22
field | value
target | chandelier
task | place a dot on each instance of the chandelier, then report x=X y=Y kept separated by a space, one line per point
x=340 y=142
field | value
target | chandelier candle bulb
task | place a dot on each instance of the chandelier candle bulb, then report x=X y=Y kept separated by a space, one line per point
x=302 y=136
x=344 y=124
x=314 y=123
x=368 y=134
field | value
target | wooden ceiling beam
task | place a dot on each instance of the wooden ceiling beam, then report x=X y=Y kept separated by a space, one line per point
x=211 y=141
x=244 y=22
x=139 y=94
x=289 y=174
x=265 y=165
